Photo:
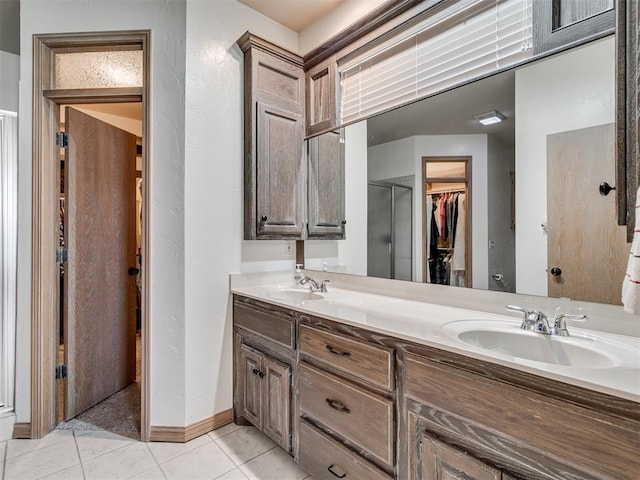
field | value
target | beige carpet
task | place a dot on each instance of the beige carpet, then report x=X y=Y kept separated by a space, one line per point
x=120 y=413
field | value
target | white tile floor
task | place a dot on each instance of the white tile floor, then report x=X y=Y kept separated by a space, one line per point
x=229 y=453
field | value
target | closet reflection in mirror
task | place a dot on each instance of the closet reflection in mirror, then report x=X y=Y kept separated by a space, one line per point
x=558 y=118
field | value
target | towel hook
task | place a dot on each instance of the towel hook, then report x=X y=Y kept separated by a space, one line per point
x=605 y=189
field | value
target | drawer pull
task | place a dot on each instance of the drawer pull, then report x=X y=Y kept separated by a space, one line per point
x=330 y=468
x=337 y=405
x=258 y=372
x=330 y=349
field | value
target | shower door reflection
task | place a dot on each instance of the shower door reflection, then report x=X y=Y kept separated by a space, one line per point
x=389 y=230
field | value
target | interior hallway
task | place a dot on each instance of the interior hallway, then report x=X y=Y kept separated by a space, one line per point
x=228 y=453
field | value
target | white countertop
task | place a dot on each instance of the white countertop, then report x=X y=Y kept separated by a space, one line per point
x=438 y=326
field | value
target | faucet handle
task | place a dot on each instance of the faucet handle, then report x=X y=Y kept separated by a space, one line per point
x=560 y=324
x=515 y=308
x=531 y=319
x=323 y=285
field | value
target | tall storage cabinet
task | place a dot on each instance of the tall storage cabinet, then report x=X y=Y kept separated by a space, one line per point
x=275 y=169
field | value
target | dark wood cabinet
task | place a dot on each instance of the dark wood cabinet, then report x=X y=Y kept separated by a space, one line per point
x=263 y=374
x=274 y=163
x=280 y=174
x=374 y=406
x=561 y=24
x=443 y=462
x=345 y=386
x=326 y=186
x=507 y=421
x=322 y=100
x=266 y=394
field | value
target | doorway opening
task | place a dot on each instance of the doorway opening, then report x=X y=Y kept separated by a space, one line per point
x=446 y=224
x=115 y=405
x=112 y=67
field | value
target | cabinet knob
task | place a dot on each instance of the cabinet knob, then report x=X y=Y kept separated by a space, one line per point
x=556 y=272
x=344 y=222
x=263 y=218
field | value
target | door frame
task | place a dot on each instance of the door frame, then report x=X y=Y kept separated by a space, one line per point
x=466 y=179
x=45 y=289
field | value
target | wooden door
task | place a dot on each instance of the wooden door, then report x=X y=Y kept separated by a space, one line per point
x=326 y=186
x=99 y=293
x=443 y=462
x=276 y=401
x=584 y=241
x=250 y=386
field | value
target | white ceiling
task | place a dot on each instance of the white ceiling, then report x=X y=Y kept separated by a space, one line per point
x=451 y=113
x=295 y=14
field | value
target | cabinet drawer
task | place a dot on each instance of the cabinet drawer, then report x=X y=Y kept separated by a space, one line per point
x=370 y=363
x=326 y=459
x=531 y=425
x=272 y=324
x=362 y=417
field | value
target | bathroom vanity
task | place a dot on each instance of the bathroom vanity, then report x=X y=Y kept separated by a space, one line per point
x=364 y=386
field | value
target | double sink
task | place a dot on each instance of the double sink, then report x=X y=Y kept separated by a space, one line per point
x=502 y=338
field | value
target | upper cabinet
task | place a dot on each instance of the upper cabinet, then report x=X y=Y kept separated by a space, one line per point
x=289 y=193
x=322 y=113
x=326 y=186
x=559 y=24
x=274 y=164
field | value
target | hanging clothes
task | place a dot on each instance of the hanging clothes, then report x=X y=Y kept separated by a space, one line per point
x=459 y=247
x=434 y=253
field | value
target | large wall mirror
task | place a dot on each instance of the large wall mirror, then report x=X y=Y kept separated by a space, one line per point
x=434 y=195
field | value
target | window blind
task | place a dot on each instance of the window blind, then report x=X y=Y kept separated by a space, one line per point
x=466 y=40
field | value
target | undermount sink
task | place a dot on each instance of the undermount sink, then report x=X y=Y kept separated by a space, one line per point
x=506 y=339
x=294 y=295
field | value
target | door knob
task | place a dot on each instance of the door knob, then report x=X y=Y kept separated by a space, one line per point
x=133 y=271
x=605 y=188
x=556 y=272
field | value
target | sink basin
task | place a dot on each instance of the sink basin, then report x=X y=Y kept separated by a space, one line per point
x=507 y=339
x=537 y=347
x=294 y=295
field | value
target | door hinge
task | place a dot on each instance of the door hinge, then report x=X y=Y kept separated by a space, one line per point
x=61 y=371
x=61 y=255
x=62 y=140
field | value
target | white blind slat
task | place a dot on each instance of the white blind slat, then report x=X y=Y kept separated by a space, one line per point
x=429 y=59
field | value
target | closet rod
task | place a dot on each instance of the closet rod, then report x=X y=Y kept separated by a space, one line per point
x=453 y=190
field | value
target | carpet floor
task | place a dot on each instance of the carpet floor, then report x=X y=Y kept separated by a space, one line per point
x=119 y=413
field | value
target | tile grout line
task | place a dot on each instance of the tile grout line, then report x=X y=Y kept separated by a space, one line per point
x=249 y=459
x=75 y=441
x=4 y=458
x=164 y=475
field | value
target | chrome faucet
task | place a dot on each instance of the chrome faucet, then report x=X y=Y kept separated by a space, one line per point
x=313 y=285
x=536 y=321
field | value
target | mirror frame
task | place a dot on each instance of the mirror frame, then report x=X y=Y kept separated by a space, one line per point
x=382 y=22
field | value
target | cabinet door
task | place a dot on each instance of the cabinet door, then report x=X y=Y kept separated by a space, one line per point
x=276 y=401
x=565 y=23
x=321 y=97
x=250 y=384
x=326 y=186
x=443 y=462
x=281 y=173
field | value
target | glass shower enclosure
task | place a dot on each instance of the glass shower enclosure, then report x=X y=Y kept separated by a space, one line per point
x=389 y=230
